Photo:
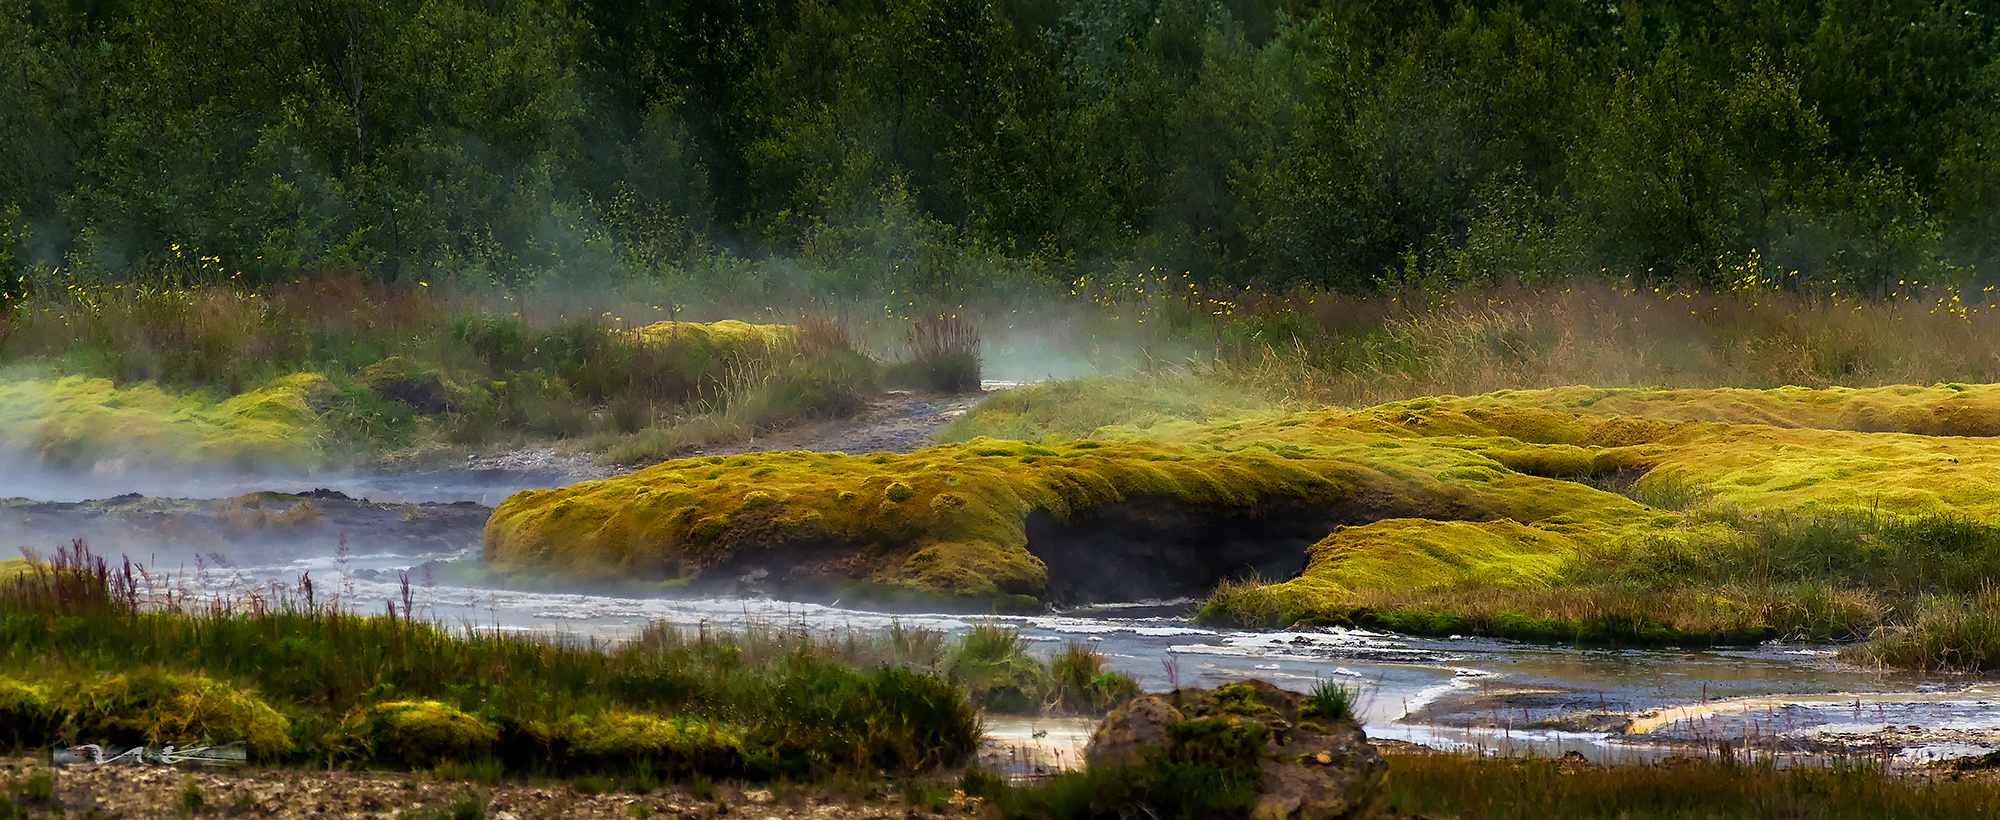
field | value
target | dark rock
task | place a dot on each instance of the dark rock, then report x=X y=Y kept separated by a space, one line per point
x=1311 y=770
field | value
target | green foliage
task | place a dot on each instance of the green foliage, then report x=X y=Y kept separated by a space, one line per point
x=944 y=356
x=1332 y=701
x=416 y=733
x=993 y=665
x=1207 y=768
x=331 y=687
x=1084 y=686
x=945 y=147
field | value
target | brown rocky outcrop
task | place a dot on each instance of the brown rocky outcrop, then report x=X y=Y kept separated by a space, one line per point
x=1313 y=766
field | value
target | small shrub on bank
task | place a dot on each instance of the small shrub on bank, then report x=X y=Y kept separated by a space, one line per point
x=1084 y=686
x=944 y=356
x=993 y=665
x=1330 y=701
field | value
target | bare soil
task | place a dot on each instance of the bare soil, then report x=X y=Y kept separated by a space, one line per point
x=157 y=792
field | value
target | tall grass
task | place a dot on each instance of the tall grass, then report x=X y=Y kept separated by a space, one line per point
x=466 y=366
x=944 y=356
x=87 y=647
x=1499 y=789
x=993 y=664
x=779 y=703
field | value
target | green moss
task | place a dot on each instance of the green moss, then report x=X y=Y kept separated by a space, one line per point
x=951 y=519
x=1453 y=492
x=401 y=379
x=154 y=708
x=728 y=336
x=622 y=738
x=1418 y=553
x=1239 y=698
x=415 y=732
x=1937 y=410
x=27 y=712
x=81 y=423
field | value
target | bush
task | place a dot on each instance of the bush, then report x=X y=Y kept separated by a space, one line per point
x=1082 y=684
x=944 y=356
x=618 y=739
x=993 y=666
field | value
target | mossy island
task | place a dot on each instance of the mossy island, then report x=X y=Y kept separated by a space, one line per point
x=1398 y=515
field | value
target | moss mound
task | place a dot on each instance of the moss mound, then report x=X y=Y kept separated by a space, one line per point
x=150 y=708
x=1937 y=410
x=81 y=423
x=415 y=732
x=729 y=336
x=1423 y=494
x=400 y=379
x=27 y=713
x=952 y=520
x=616 y=738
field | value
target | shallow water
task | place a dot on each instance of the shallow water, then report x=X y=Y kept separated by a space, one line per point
x=1502 y=697
x=1777 y=701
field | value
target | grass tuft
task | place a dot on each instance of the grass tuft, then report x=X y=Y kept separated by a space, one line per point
x=1330 y=701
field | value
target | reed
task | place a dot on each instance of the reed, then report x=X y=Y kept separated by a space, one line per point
x=1450 y=785
x=757 y=704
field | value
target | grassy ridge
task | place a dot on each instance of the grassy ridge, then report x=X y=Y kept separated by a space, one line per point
x=81 y=660
x=332 y=370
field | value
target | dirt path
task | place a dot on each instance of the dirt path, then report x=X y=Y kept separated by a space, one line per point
x=896 y=422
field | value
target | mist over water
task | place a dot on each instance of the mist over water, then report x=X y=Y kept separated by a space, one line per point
x=27 y=479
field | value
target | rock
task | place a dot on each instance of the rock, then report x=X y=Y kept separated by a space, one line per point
x=1136 y=725
x=1310 y=770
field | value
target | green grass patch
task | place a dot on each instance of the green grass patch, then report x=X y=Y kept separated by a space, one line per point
x=335 y=370
x=302 y=683
x=78 y=422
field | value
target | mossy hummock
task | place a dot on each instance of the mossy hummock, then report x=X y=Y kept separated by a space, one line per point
x=955 y=520
x=85 y=423
x=1494 y=491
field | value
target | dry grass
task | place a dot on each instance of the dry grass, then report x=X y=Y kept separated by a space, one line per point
x=1611 y=334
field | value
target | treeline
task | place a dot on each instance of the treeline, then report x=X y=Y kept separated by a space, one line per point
x=933 y=145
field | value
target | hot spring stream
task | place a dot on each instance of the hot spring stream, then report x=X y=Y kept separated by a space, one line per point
x=1784 y=702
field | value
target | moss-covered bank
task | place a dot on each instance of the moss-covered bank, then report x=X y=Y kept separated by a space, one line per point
x=956 y=520
x=1539 y=514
